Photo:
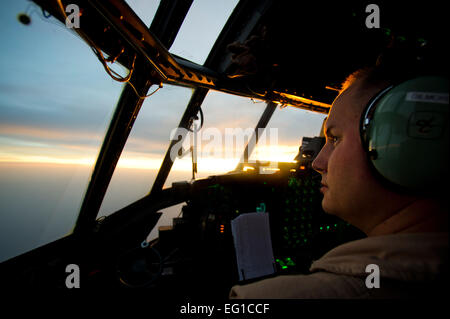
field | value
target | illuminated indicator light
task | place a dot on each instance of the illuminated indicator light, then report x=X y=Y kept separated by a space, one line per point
x=302 y=167
x=328 y=227
x=284 y=267
x=321 y=228
x=335 y=225
x=271 y=169
x=293 y=170
x=246 y=168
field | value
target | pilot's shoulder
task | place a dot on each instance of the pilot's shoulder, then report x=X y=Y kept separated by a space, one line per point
x=318 y=285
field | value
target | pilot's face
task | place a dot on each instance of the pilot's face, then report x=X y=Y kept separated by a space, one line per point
x=349 y=188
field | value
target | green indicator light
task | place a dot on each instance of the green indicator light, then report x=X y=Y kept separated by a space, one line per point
x=305 y=240
x=328 y=227
x=335 y=225
x=321 y=228
x=284 y=267
x=289 y=262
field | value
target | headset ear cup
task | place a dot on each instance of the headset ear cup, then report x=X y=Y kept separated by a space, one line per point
x=366 y=120
x=404 y=130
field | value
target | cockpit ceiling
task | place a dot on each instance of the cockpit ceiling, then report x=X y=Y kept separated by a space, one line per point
x=311 y=46
x=284 y=51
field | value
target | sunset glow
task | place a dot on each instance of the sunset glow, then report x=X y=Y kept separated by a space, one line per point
x=279 y=153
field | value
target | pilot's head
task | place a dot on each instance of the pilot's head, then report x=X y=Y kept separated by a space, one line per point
x=351 y=189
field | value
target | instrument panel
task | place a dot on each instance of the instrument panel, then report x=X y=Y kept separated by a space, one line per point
x=200 y=246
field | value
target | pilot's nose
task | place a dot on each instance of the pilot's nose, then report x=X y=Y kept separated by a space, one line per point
x=320 y=163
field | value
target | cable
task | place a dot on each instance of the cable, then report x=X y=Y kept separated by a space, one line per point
x=145 y=96
x=193 y=118
x=201 y=117
x=113 y=74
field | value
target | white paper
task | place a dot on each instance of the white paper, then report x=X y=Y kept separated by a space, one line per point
x=253 y=245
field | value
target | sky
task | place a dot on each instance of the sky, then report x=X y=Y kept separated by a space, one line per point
x=56 y=102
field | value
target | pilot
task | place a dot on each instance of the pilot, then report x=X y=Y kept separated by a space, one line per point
x=405 y=253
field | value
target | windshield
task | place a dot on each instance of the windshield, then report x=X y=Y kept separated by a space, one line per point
x=55 y=105
x=56 y=102
x=200 y=29
x=289 y=125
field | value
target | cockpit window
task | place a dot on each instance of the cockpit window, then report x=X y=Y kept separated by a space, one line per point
x=289 y=125
x=145 y=148
x=144 y=9
x=229 y=122
x=55 y=104
x=200 y=29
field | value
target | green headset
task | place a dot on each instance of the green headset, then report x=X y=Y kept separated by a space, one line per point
x=404 y=130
